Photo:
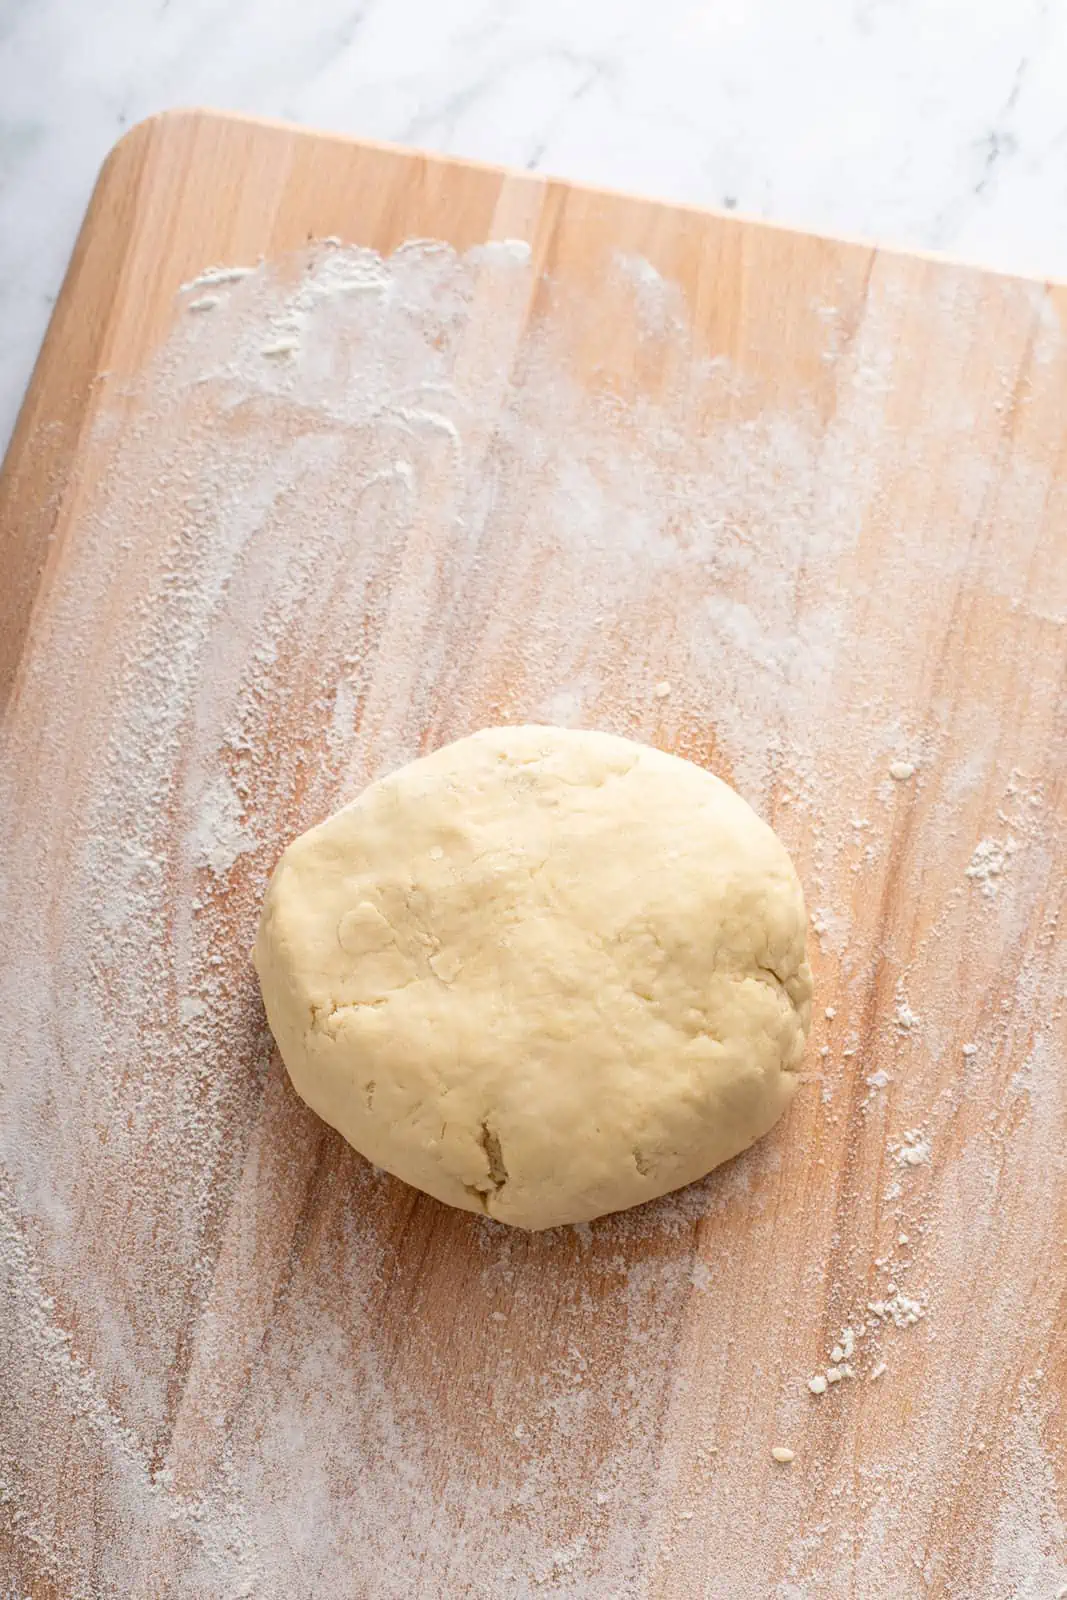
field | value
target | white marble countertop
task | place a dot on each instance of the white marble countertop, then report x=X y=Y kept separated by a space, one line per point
x=940 y=124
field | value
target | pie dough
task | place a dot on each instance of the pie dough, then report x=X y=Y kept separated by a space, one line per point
x=542 y=974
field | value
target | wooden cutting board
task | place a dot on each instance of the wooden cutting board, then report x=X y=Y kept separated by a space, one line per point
x=790 y=506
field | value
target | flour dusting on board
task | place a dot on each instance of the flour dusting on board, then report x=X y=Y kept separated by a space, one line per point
x=360 y=506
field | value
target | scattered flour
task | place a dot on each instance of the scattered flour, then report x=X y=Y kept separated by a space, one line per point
x=219 y=835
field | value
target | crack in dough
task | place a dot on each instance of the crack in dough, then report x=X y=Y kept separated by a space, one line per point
x=490 y=1186
x=490 y=1143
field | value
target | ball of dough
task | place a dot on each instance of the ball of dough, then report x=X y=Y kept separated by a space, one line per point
x=541 y=974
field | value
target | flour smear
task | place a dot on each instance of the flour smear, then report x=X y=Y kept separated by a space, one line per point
x=357 y=507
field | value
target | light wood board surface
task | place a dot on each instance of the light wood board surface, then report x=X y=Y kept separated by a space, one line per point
x=792 y=507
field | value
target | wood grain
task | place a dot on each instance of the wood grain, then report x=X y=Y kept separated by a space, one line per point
x=672 y=1348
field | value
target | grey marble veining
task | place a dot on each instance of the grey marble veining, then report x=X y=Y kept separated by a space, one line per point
x=936 y=124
